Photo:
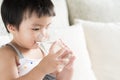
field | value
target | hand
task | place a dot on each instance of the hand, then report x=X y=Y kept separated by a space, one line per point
x=67 y=72
x=50 y=62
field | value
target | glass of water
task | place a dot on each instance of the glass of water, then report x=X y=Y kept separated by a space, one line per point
x=46 y=44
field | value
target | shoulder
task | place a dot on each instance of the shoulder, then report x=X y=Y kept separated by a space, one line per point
x=8 y=65
x=7 y=53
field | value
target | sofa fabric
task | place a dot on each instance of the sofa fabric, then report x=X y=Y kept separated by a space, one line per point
x=100 y=10
x=103 y=41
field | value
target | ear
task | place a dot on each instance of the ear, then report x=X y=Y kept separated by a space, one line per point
x=11 y=28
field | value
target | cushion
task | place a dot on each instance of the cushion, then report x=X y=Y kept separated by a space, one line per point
x=5 y=39
x=100 y=10
x=103 y=41
x=61 y=18
x=73 y=36
x=2 y=28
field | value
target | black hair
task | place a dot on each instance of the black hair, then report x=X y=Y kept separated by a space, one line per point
x=13 y=11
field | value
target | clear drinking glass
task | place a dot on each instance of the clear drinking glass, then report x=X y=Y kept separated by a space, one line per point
x=46 y=44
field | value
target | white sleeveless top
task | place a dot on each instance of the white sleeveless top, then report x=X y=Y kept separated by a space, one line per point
x=26 y=65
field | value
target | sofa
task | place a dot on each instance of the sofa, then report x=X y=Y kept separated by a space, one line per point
x=92 y=30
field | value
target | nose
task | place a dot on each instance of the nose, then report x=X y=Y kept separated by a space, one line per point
x=43 y=35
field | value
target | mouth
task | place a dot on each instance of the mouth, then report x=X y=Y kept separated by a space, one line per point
x=36 y=43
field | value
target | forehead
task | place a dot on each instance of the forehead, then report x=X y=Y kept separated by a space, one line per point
x=35 y=19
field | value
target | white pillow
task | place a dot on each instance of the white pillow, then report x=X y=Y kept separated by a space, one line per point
x=103 y=41
x=61 y=18
x=74 y=37
x=3 y=30
x=5 y=39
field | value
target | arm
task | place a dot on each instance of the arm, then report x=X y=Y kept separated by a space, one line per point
x=9 y=71
x=8 y=68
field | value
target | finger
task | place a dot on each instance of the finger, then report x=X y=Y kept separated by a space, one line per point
x=70 y=64
x=65 y=61
x=64 y=55
x=71 y=59
x=52 y=47
x=62 y=43
x=60 y=52
x=65 y=46
x=60 y=66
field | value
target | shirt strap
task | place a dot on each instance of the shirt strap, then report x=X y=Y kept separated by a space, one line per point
x=17 y=51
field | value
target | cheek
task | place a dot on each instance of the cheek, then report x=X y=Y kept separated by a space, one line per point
x=27 y=37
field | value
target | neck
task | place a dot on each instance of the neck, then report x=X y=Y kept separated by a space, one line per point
x=20 y=48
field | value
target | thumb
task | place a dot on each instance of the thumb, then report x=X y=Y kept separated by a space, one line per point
x=52 y=47
x=60 y=52
x=56 y=46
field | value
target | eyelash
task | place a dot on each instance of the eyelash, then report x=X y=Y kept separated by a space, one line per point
x=36 y=29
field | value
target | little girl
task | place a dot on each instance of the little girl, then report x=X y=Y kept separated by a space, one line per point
x=22 y=58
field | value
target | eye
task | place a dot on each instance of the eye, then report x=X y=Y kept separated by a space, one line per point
x=36 y=29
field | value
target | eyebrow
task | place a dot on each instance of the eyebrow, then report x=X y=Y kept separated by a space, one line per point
x=41 y=25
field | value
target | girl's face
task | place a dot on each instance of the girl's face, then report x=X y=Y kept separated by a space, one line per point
x=32 y=30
